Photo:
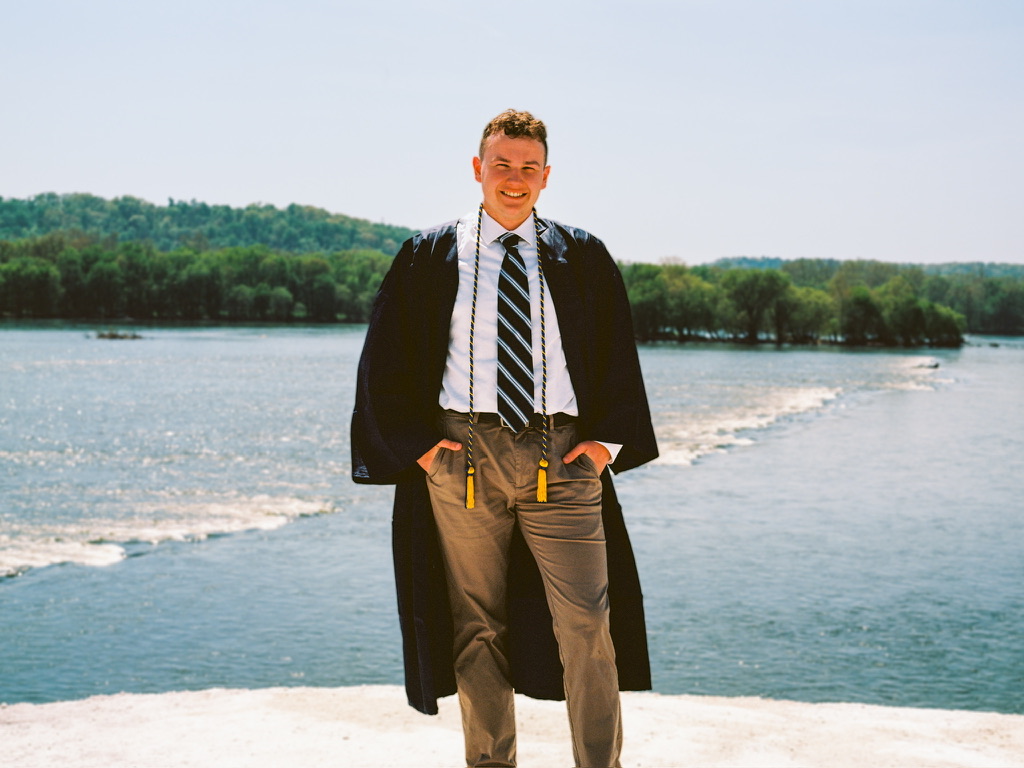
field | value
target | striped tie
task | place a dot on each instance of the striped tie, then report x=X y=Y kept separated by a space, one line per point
x=515 y=334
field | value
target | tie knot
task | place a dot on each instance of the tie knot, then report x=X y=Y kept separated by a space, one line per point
x=510 y=240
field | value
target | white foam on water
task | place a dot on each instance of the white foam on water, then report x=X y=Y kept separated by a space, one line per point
x=911 y=386
x=690 y=436
x=920 y=375
x=195 y=520
x=100 y=542
x=19 y=554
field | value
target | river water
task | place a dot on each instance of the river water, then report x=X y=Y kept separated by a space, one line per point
x=823 y=525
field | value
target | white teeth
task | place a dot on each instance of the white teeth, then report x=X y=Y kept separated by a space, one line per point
x=514 y=194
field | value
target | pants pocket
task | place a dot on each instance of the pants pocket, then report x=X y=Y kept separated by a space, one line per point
x=439 y=461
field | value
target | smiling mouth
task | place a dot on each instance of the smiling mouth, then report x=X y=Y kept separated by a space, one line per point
x=515 y=195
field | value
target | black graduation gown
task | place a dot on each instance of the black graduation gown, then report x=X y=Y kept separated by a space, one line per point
x=395 y=422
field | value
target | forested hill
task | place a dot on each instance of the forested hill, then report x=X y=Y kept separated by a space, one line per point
x=295 y=229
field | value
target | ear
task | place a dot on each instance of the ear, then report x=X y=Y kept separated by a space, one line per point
x=476 y=168
x=547 y=170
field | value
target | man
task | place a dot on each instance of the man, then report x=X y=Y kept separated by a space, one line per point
x=498 y=380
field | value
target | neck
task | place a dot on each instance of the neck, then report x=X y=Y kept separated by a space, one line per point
x=508 y=223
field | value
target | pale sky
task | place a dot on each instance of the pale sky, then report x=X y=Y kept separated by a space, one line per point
x=695 y=129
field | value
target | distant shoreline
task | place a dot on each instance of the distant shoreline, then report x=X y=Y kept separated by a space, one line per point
x=122 y=326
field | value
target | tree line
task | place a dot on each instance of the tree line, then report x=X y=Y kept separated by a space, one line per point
x=811 y=301
x=859 y=302
x=77 y=276
x=753 y=305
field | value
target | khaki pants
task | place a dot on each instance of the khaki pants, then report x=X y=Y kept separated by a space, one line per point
x=566 y=536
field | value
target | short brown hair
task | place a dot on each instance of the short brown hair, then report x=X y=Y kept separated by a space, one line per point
x=516 y=125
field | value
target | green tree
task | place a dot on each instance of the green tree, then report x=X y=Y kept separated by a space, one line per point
x=754 y=293
x=314 y=287
x=72 y=279
x=281 y=304
x=814 y=312
x=275 y=270
x=862 y=320
x=902 y=313
x=645 y=287
x=31 y=287
x=937 y=288
x=105 y=285
x=261 y=301
x=867 y=272
x=200 y=290
x=1005 y=308
x=241 y=266
x=322 y=304
x=781 y=313
x=240 y=303
x=689 y=302
x=358 y=275
x=943 y=326
x=813 y=273
x=135 y=262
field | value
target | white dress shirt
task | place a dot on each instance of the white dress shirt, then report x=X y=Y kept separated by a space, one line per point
x=561 y=398
x=455 y=389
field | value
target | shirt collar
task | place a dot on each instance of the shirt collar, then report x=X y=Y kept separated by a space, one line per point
x=490 y=230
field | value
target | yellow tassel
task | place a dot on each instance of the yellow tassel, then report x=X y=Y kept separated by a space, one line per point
x=470 y=496
x=542 y=481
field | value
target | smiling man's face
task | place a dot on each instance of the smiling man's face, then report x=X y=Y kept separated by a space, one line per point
x=512 y=173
